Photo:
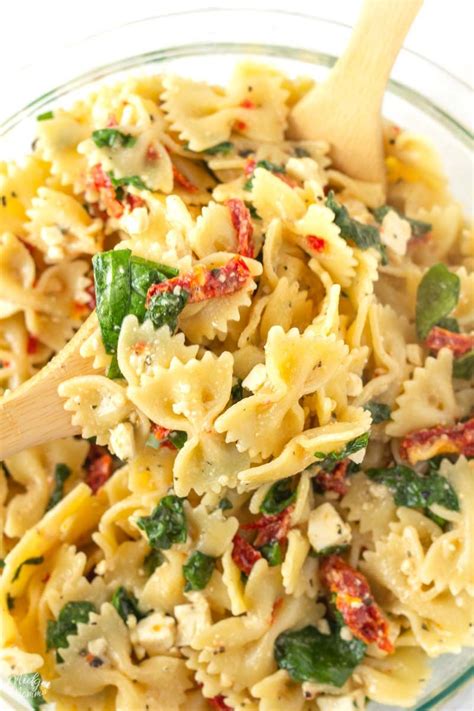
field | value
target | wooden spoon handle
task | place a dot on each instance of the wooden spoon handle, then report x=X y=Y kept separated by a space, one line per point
x=381 y=28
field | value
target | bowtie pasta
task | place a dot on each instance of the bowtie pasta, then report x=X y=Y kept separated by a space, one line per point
x=270 y=506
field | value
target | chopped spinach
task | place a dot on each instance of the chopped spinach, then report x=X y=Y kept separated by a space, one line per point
x=134 y=180
x=61 y=473
x=198 y=570
x=225 y=504
x=308 y=655
x=144 y=273
x=415 y=491
x=113 y=371
x=166 y=524
x=450 y=324
x=112 y=138
x=237 y=391
x=165 y=308
x=45 y=117
x=176 y=437
x=363 y=236
x=126 y=604
x=279 y=497
x=273 y=553
x=379 y=411
x=59 y=630
x=29 y=686
x=152 y=561
x=2 y=562
x=330 y=550
x=225 y=147
x=330 y=460
x=267 y=165
x=463 y=367
x=10 y=602
x=37 y=560
x=418 y=227
x=253 y=211
x=437 y=296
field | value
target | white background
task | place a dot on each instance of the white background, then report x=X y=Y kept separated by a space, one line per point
x=33 y=29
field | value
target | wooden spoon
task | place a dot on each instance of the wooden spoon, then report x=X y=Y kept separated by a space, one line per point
x=34 y=413
x=345 y=109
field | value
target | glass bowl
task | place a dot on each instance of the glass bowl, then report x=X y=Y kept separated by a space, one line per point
x=206 y=45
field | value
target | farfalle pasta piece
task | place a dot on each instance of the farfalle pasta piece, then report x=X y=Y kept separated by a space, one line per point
x=427 y=399
x=295 y=365
x=60 y=227
x=18 y=185
x=17 y=274
x=274 y=198
x=214 y=231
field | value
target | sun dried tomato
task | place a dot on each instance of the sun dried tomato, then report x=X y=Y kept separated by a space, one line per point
x=354 y=600
x=183 y=181
x=218 y=702
x=203 y=284
x=458 y=343
x=427 y=443
x=32 y=344
x=270 y=528
x=316 y=243
x=242 y=223
x=243 y=554
x=100 y=181
x=240 y=125
x=335 y=480
x=247 y=104
x=98 y=466
x=250 y=165
x=161 y=434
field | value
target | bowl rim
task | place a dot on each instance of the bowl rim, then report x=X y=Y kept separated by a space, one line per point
x=81 y=79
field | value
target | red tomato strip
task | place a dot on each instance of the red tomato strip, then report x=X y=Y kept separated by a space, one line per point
x=31 y=345
x=203 y=284
x=218 y=702
x=424 y=444
x=244 y=555
x=242 y=222
x=161 y=434
x=458 y=343
x=316 y=243
x=183 y=181
x=335 y=480
x=98 y=466
x=354 y=600
x=270 y=528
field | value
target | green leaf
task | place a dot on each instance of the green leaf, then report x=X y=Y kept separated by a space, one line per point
x=437 y=296
x=273 y=553
x=29 y=686
x=225 y=148
x=330 y=550
x=237 y=391
x=113 y=371
x=418 y=228
x=198 y=570
x=415 y=491
x=165 y=308
x=112 y=138
x=126 y=604
x=61 y=473
x=278 y=497
x=253 y=211
x=178 y=438
x=10 y=602
x=59 y=630
x=379 y=411
x=450 y=324
x=37 y=560
x=463 y=367
x=330 y=460
x=267 y=165
x=363 y=236
x=45 y=117
x=225 y=504
x=112 y=289
x=152 y=561
x=2 y=562
x=308 y=655
x=133 y=180
x=167 y=523
x=144 y=273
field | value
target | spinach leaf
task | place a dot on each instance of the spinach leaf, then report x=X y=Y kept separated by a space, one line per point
x=2 y=562
x=437 y=296
x=330 y=550
x=176 y=437
x=166 y=524
x=253 y=211
x=29 y=686
x=45 y=117
x=308 y=655
x=418 y=228
x=450 y=324
x=133 y=180
x=379 y=411
x=237 y=391
x=126 y=604
x=273 y=553
x=463 y=367
x=225 y=147
x=267 y=165
x=144 y=273
x=29 y=561
x=59 y=630
x=225 y=504
x=111 y=138
x=363 y=236
x=112 y=289
x=61 y=473
x=113 y=371
x=330 y=460
x=165 y=308
x=198 y=570
x=415 y=491
x=278 y=497
x=152 y=561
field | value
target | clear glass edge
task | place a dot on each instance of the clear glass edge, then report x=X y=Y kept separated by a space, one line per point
x=151 y=57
